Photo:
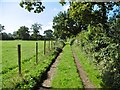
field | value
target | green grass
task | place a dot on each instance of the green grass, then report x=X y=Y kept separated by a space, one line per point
x=87 y=64
x=30 y=70
x=30 y=73
x=10 y=55
x=66 y=72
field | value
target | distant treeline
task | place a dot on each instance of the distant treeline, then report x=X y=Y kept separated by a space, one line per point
x=23 y=33
x=9 y=36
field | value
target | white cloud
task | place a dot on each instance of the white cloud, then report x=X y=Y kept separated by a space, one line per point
x=46 y=27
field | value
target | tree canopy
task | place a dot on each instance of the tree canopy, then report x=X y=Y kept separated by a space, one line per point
x=48 y=34
x=82 y=14
x=36 y=27
x=32 y=5
x=23 y=33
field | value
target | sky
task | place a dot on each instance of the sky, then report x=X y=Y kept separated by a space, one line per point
x=12 y=16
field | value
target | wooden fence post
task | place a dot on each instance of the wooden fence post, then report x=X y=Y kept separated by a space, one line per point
x=36 y=52
x=19 y=58
x=44 y=46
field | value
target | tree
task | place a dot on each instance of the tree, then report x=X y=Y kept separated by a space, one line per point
x=23 y=33
x=114 y=29
x=6 y=36
x=80 y=10
x=48 y=34
x=15 y=35
x=1 y=28
x=65 y=26
x=32 y=5
x=35 y=27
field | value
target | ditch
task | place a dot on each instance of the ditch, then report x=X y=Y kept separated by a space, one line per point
x=46 y=77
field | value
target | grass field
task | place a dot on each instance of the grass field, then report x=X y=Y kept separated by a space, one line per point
x=30 y=70
x=10 y=53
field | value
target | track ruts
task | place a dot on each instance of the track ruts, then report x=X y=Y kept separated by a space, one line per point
x=86 y=82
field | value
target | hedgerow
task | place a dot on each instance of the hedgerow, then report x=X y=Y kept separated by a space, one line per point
x=105 y=51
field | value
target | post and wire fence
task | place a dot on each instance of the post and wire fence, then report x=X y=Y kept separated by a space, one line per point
x=50 y=47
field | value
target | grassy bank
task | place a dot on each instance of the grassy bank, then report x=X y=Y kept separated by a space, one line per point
x=91 y=70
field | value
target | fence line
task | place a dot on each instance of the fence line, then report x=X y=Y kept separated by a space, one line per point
x=36 y=53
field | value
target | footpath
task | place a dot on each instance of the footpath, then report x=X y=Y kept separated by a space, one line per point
x=64 y=65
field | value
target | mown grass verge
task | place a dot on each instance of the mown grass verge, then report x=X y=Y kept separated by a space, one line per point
x=91 y=70
x=66 y=72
